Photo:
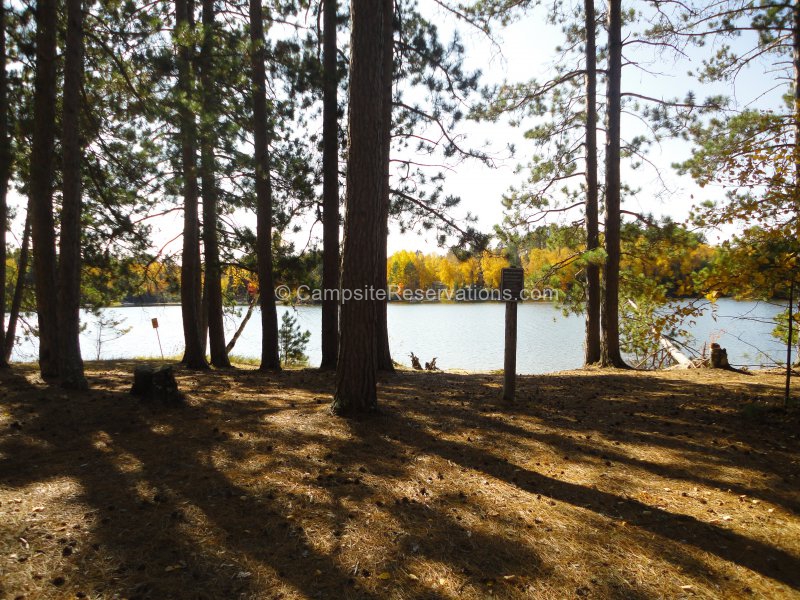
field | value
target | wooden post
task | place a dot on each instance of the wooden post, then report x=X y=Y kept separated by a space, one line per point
x=511 y=284
x=510 y=364
x=155 y=326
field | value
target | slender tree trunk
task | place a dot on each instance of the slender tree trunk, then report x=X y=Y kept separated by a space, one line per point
x=19 y=289
x=242 y=325
x=213 y=279
x=41 y=187
x=787 y=392
x=330 y=188
x=593 y=291
x=269 y=314
x=384 y=352
x=69 y=266
x=203 y=306
x=357 y=367
x=190 y=261
x=610 y=350
x=5 y=172
x=796 y=61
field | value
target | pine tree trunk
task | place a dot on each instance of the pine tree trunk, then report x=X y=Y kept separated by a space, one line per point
x=203 y=299
x=5 y=174
x=193 y=357
x=610 y=350
x=269 y=314
x=330 y=188
x=357 y=367
x=593 y=292
x=69 y=266
x=19 y=290
x=796 y=62
x=41 y=187
x=213 y=275
x=384 y=351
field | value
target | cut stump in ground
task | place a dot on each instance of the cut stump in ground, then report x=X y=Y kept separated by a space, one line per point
x=156 y=385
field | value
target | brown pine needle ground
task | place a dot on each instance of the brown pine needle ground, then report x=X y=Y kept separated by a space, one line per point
x=593 y=484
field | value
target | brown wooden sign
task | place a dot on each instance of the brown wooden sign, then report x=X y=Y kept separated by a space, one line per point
x=512 y=282
x=155 y=323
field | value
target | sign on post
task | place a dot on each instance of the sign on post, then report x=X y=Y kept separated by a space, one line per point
x=155 y=326
x=512 y=281
x=511 y=286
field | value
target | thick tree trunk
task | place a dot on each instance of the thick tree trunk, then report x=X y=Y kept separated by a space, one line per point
x=384 y=352
x=193 y=357
x=593 y=291
x=796 y=62
x=330 y=188
x=19 y=290
x=610 y=350
x=5 y=174
x=41 y=187
x=269 y=315
x=69 y=266
x=357 y=367
x=213 y=280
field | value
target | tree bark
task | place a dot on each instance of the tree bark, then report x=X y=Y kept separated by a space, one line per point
x=213 y=278
x=270 y=359
x=385 y=362
x=790 y=323
x=793 y=275
x=357 y=367
x=41 y=187
x=593 y=291
x=203 y=298
x=240 y=330
x=5 y=173
x=194 y=357
x=69 y=264
x=19 y=289
x=610 y=349
x=330 y=188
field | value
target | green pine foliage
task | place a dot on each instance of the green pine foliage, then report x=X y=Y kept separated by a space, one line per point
x=292 y=342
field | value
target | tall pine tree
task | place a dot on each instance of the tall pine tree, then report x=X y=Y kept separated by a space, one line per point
x=366 y=179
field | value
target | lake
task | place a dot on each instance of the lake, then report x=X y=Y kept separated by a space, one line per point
x=462 y=336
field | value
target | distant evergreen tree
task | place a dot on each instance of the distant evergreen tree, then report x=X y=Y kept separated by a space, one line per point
x=292 y=341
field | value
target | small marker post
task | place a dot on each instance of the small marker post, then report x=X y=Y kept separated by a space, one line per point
x=511 y=284
x=155 y=326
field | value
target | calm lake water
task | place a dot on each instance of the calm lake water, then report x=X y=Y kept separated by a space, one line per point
x=462 y=336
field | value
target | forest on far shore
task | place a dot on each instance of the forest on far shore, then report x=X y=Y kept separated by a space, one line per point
x=255 y=127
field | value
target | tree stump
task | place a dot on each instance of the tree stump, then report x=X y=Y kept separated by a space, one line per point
x=156 y=384
x=719 y=357
x=431 y=366
x=719 y=360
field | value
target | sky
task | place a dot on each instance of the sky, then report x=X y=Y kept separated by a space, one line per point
x=525 y=50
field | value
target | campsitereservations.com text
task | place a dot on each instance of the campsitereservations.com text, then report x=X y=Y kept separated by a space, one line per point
x=305 y=293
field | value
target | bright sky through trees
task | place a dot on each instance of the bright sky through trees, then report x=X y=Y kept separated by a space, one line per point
x=522 y=51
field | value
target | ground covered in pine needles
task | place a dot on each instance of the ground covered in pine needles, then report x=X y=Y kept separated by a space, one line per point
x=593 y=484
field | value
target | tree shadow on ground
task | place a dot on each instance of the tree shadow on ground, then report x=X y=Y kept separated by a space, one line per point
x=253 y=490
